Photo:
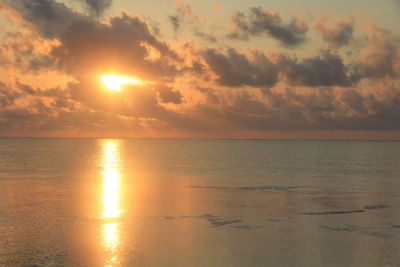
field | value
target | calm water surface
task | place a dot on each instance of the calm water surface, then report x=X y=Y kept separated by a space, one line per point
x=92 y=202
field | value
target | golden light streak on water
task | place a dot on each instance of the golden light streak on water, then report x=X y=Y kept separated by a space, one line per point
x=111 y=165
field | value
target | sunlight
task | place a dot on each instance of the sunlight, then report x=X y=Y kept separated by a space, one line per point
x=114 y=82
x=111 y=241
x=112 y=179
x=111 y=197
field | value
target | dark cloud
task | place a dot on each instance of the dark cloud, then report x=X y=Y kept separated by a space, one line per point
x=38 y=119
x=244 y=104
x=261 y=21
x=210 y=94
x=327 y=69
x=337 y=34
x=86 y=45
x=175 y=22
x=354 y=101
x=98 y=7
x=50 y=18
x=321 y=109
x=385 y=109
x=197 y=68
x=7 y=96
x=168 y=95
x=209 y=37
x=235 y=69
x=302 y=110
x=27 y=89
x=121 y=46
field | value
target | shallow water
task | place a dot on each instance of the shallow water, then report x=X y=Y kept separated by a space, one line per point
x=90 y=202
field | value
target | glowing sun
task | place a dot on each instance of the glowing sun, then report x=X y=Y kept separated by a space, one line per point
x=114 y=82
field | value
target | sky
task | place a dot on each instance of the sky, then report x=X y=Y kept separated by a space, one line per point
x=276 y=69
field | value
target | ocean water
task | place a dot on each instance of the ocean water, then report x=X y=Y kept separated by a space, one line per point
x=134 y=202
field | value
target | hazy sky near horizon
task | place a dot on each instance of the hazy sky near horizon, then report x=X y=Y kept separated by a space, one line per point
x=243 y=69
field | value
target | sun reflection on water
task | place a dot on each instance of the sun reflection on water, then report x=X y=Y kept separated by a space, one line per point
x=111 y=165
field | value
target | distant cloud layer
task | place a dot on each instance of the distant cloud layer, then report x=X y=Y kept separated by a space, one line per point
x=323 y=74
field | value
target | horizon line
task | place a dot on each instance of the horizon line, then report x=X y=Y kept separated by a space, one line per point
x=205 y=138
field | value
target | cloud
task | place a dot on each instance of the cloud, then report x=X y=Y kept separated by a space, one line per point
x=87 y=48
x=209 y=37
x=184 y=13
x=50 y=18
x=186 y=10
x=123 y=44
x=338 y=33
x=175 y=22
x=210 y=94
x=193 y=90
x=385 y=110
x=24 y=51
x=30 y=121
x=261 y=21
x=168 y=95
x=98 y=7
x=381 y=57
x=235 y=69
x=186 y=16
x=7 y=96
x=354 y=101
x=52 y=92
x=326 y=69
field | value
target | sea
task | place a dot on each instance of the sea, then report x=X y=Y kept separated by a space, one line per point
x=187 y=202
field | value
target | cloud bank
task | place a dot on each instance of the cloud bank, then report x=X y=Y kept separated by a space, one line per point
x=55 y=54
